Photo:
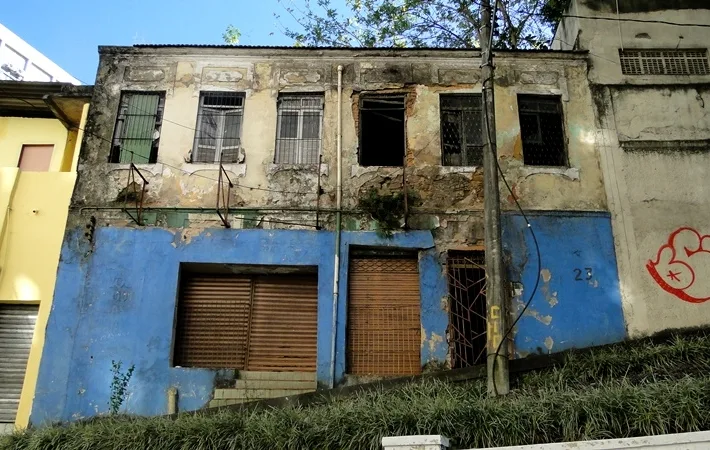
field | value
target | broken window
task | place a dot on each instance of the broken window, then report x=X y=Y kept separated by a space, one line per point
x=467 y=308
x=664 y=62
x=382 y=136
x=461 y=140
x=219 y=125
x=298 y=132
x=541 y=129
x=137 y=133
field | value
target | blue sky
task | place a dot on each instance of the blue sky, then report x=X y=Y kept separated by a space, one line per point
x=69 y=32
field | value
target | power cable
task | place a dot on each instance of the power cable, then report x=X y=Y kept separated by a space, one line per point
x=522 y=212
x=663 y=22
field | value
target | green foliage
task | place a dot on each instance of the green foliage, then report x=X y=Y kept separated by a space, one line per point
x=386 y=209
x=414 y=23
x=231 y=35
x=119 y=386
x=617 y=392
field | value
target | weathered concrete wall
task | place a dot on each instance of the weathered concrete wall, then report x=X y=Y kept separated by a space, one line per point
x=577 y=303
x=603 y=38
x=263 y=74
x=115 y=300
x=656 y=160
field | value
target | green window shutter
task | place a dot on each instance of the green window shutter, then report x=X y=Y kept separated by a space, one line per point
x=139 y=128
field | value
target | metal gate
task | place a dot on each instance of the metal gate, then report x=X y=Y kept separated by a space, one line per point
x=247 y=322
x=284 y=322
x=17 y=325
x=467 y=306
x=384 y=326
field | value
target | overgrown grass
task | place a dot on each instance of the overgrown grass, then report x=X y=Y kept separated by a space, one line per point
x=622 y=391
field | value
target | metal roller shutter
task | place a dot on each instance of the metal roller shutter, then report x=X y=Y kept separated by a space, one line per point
x=212 y=324
x=284 y=324
x=17 y=325
x=384 y=334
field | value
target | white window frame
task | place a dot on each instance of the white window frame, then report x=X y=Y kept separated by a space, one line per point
x=303 y=108
x=220 y=112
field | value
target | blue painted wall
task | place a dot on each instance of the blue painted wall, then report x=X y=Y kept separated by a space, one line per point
x=115 y=300
x=578 y=303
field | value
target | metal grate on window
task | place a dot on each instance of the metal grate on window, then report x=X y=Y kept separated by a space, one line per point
x=137 y=132
x=664 y=62
x=461 y=140
x=298 y=134
x=219 y=126
x=542 y=131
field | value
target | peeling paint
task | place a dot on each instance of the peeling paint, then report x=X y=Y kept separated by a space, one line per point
x=549 y=343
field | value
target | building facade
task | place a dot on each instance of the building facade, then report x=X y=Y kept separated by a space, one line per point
x=19 y=61
x=206 y=245
x=650 y=81
x=40 y=134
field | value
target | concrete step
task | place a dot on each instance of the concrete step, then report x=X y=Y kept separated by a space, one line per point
x=275 y=384
x=284 y=376
x=256 y=394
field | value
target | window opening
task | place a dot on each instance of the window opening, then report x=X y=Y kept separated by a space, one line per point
x=461 y=131
x=382 y=130
x=541 y=129
x=467 y=294
x=219 y=126
x=298 y=137
x=137 y=133
x=664 y=62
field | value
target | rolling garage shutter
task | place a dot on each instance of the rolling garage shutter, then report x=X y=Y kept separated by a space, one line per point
x=17 y=325
x=247 y=322
x=213 y=317
x=384 y=335
x=284 y=324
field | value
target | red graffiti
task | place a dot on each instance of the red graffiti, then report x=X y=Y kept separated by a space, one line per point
x=681 y=264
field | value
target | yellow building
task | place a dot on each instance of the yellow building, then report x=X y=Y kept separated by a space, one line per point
x=40 y=133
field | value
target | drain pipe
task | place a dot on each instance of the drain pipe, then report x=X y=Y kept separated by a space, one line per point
x=338 y=203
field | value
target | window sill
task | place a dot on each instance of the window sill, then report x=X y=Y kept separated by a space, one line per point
x=239 y=170
x=274 y=168
x=460 y=169
x=571 y=173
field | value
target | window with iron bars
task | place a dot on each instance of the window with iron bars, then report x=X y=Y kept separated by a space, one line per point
x=461 y=140
x=298 y=133
x=542 y=132
x=664 y=62
x=219 y=126
x=137 y=133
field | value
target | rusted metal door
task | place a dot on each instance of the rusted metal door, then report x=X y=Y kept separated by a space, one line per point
x=384 y=331
x=213 y=320
x=17 y=325
x=284 y=324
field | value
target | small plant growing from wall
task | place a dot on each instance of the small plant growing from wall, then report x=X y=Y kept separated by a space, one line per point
x=386 y=209
x=119 y=386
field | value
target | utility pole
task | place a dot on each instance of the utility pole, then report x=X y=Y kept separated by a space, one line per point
x=497 y=360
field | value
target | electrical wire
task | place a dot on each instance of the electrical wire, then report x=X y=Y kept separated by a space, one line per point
x=663 y=22
x=522 y=212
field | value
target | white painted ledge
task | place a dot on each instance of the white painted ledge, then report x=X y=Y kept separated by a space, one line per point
x=424 y=442
x=682 y=441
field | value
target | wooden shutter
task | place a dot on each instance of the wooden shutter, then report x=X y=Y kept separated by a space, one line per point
x=17 y=325
x=384 y=335
x=213 y=317
x=284 y=324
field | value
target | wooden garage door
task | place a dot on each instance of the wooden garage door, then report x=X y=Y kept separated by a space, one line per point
x=247 y=322
x=17 y=325
x=384 y=335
